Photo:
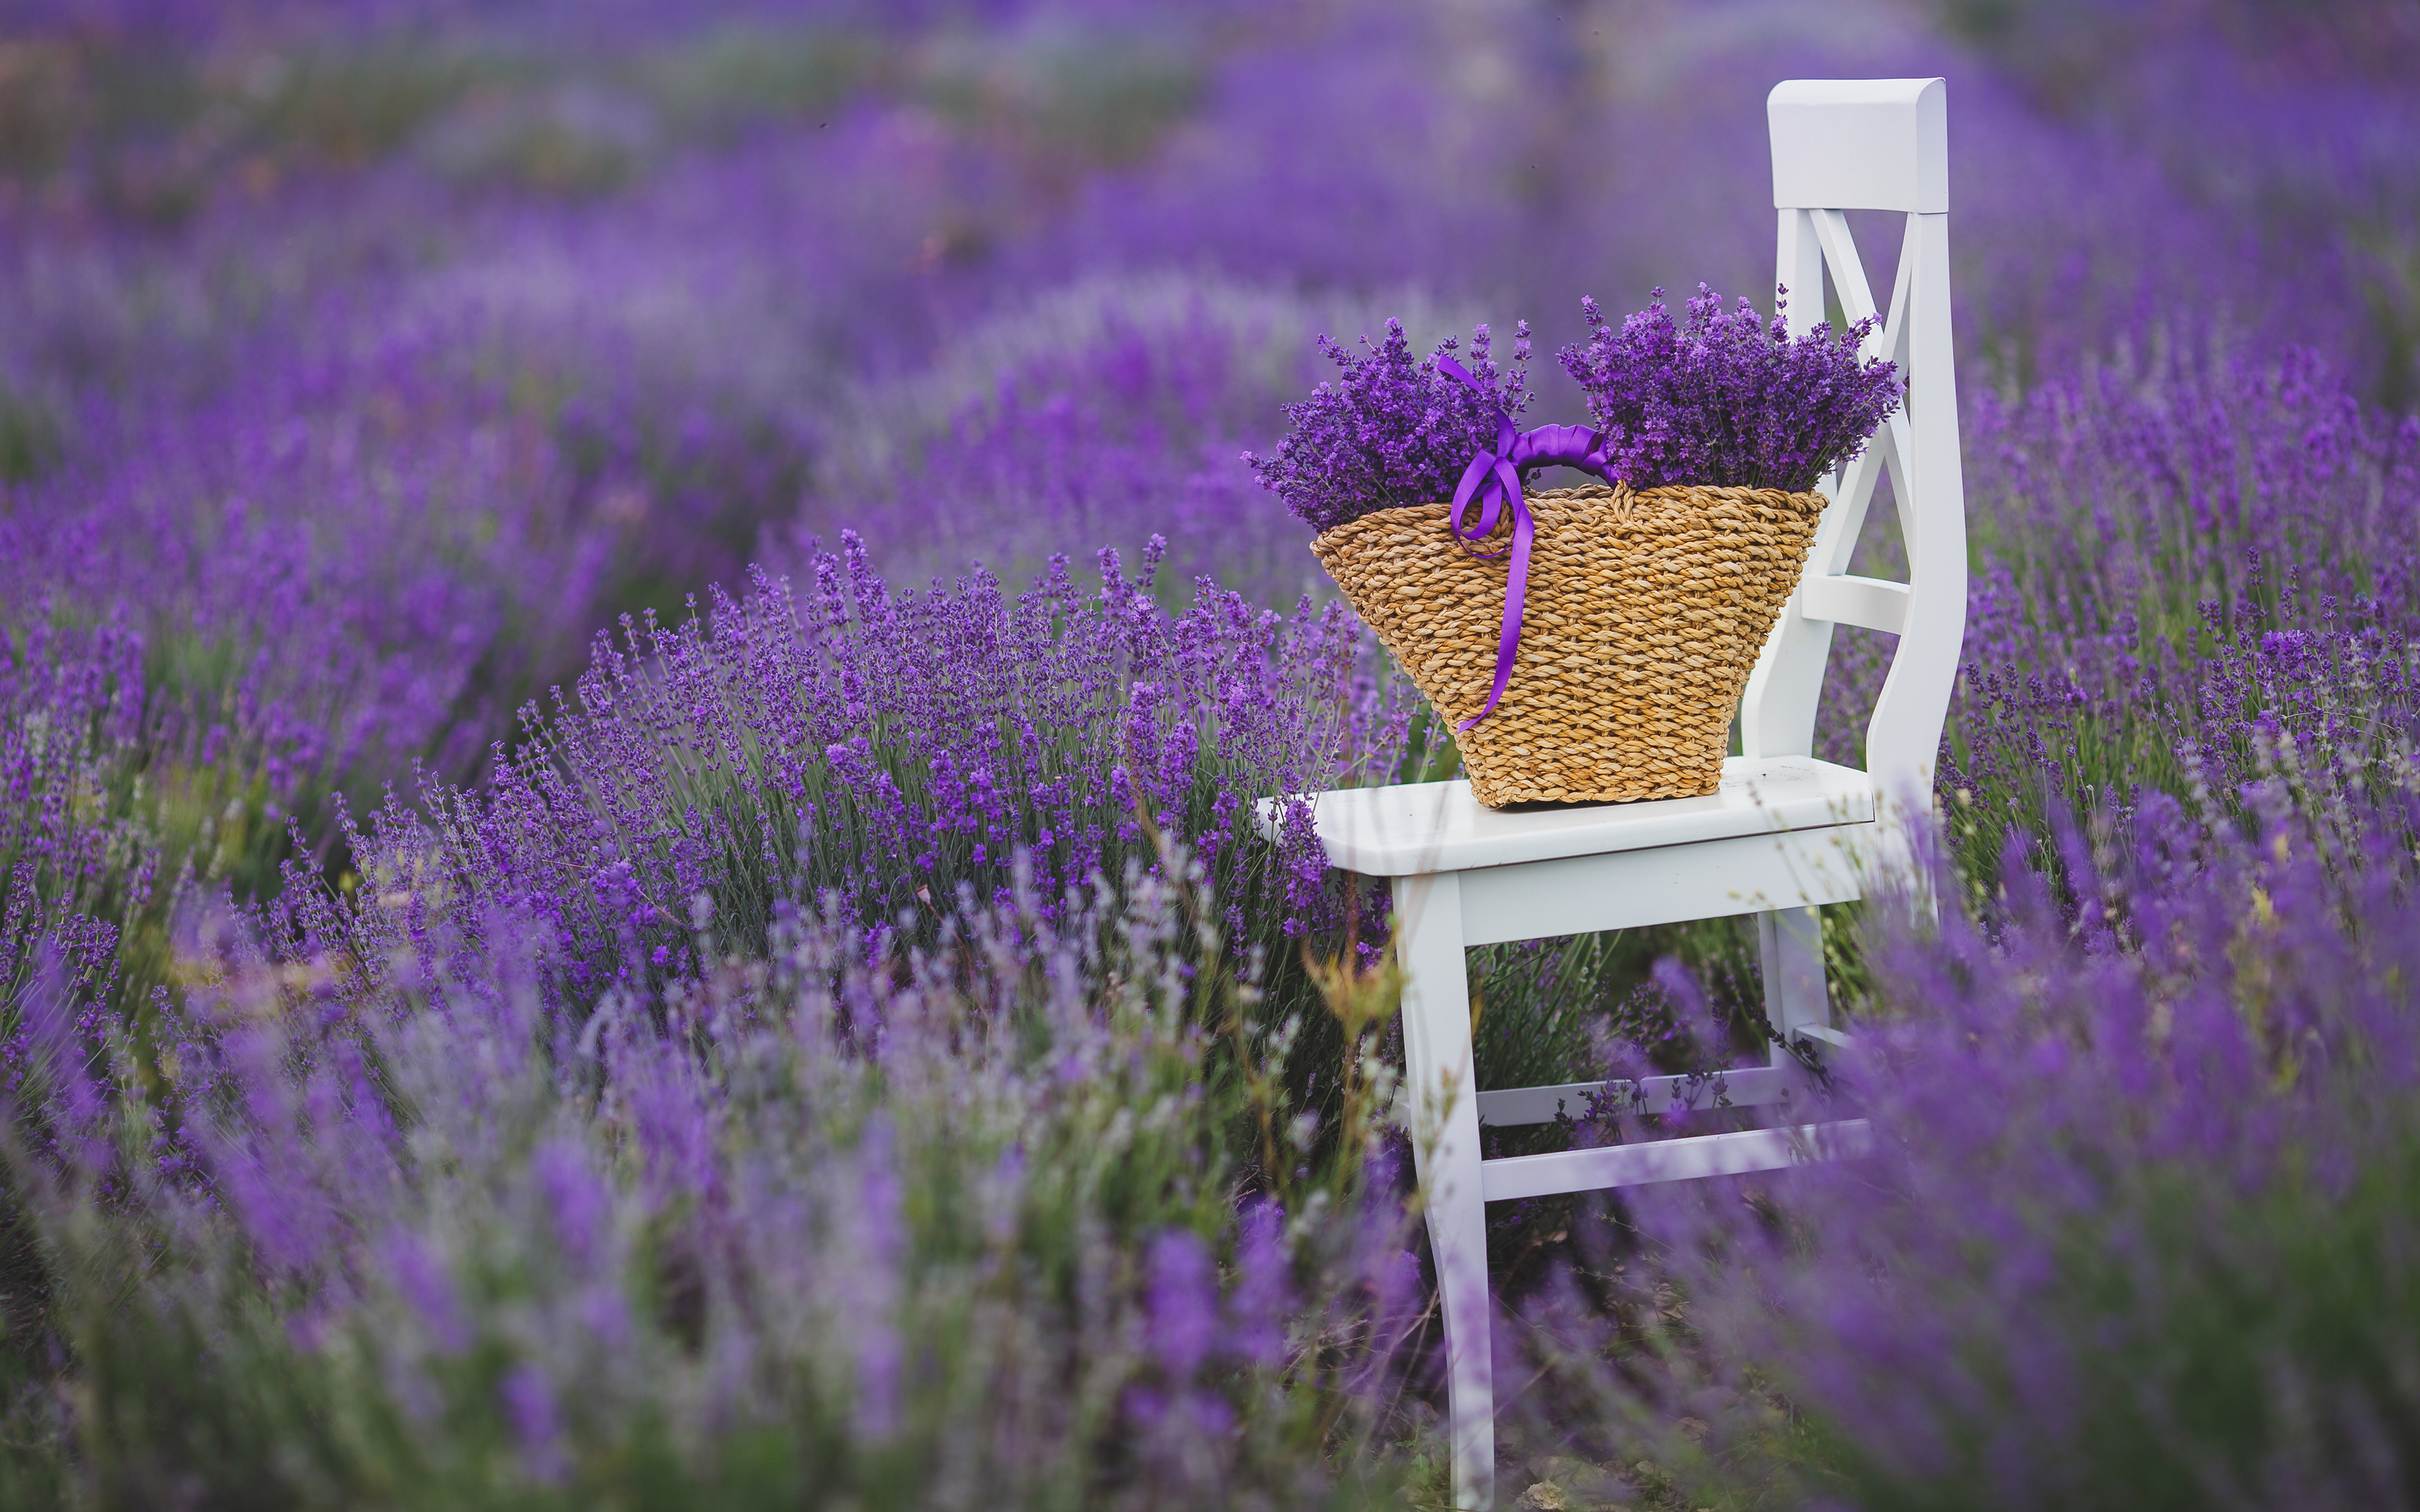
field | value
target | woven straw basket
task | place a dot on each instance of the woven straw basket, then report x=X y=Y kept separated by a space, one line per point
x=1644 y=616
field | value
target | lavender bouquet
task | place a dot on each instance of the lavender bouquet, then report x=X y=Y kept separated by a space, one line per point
x=1727 y=403
x=1392 y=431
x=1728 y=400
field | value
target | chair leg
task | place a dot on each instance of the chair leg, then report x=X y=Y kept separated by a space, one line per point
x=1444 y=1086
x=1789 y=947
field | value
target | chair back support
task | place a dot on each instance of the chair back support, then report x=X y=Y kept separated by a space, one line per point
x=1873 y=144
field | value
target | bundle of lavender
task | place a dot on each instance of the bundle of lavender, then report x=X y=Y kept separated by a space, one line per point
x=1650 y=593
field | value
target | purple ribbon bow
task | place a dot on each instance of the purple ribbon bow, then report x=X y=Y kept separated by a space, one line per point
x=1494 y=479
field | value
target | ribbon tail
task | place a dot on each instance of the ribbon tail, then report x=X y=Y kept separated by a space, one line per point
x=1472 y=477
x=1517 y=589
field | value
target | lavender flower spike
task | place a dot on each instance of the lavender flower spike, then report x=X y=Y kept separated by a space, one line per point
x=1728 y=400
x=1389 y=431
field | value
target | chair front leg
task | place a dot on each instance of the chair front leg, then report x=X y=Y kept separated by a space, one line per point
x=1789 y=948
x=1443 y=1083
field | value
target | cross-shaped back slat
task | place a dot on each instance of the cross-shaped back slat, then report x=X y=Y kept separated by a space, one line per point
x=1840 y=144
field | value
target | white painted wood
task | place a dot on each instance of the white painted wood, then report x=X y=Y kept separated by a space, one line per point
x=1852 y=494
x=1869 y=602
x=1860 y=144
x=1790 y=957
x=1786 y=687
x=1778 y=713
x=1890 y=343
x=1438 y=826
x=1441 y=1083
x=1840 y=249
x=1785 y=832
x=1798 y=261
x=1903 y=737
x=1674 y=1160
x=1670 y=884
x=1831 y=139
x=1749 y=1087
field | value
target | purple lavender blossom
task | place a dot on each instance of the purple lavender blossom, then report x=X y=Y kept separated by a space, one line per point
x=578 y=1203
x=794 y=1271
x=1183 y=1303
x=419 y=1275
x=360 y=366
x=537 y=1424
x=890 y=748
x=1390 y=431
x=2144 y=1130
x=1264 y=1287
x=1730 y=401
x=876 y=1242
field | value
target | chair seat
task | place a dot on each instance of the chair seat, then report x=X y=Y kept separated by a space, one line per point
x=1416 y=829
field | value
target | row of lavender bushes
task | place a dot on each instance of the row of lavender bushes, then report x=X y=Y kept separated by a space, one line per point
x=797 y=960
x=2137 y=1231
x=897 y=754
x=241 y=1270
x=950 y=1226
x=2206 y=1004
x=279 y=291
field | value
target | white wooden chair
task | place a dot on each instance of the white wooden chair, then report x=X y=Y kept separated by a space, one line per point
x=1785 y=833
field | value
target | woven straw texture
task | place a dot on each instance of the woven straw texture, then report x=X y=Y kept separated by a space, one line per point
x=1644 y=616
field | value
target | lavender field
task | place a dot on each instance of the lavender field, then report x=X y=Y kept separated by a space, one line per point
x=637 y=646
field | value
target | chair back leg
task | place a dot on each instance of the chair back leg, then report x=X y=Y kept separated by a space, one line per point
x=1444 y=1087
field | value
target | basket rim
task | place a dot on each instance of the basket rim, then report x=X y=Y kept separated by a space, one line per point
x=1673 y=492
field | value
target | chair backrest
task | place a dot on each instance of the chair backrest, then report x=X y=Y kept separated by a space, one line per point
x=1873 y=144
